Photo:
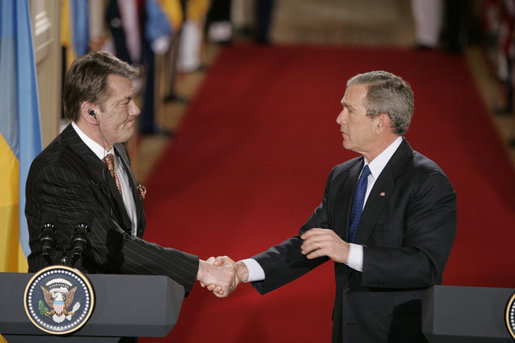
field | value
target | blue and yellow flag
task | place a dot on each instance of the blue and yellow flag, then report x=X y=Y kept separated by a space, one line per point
x=20 y=133
x=80 y=24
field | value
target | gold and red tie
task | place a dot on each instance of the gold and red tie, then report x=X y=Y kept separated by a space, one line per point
x=109 y=162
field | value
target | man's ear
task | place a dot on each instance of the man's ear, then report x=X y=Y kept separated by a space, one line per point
x=88 y=113
x=383 y=122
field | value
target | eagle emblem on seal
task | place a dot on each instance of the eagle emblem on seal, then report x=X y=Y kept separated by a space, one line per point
x=59 y=298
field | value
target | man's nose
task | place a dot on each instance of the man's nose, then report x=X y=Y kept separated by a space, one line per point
x=135 y=110
x=340 y=118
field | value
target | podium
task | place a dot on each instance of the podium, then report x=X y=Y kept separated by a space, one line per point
x=125 y=306
x=454 y=314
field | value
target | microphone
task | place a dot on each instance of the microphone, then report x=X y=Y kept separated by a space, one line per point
x=47 y=237
x=79 y=242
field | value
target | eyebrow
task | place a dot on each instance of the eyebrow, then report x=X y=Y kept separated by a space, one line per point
x=344 y=104
x=126 y=99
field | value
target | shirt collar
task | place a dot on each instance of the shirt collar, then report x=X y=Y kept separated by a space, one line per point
x=378 y=164
x=97 y=149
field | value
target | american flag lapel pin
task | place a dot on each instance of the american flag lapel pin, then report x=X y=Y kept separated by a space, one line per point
x=382 y=194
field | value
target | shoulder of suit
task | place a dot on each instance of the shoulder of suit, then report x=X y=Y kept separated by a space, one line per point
x=423 y=164
x=344 y=167
x=407 y=161
x=349 y=163
x=420 y=170
x=58 y=154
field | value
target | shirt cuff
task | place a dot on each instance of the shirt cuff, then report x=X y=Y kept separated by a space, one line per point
x=256 y=272
x=355 y=260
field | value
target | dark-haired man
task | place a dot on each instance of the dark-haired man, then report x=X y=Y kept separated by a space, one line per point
x=70 y=181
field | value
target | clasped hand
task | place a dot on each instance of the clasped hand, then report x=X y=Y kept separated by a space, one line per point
x=226 y=275
x=220 y=278
x=239 y=273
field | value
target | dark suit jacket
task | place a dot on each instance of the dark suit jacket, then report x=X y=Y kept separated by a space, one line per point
x=69 y=181
x=407 y=229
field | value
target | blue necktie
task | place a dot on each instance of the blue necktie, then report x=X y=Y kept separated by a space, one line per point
x=357 y=203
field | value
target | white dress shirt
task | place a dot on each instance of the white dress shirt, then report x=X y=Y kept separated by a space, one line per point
x=123 y=178
x=355 y=259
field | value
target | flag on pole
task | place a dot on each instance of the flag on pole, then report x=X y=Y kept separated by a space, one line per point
x=67 y=33
x=20 y=132
x=80 y=26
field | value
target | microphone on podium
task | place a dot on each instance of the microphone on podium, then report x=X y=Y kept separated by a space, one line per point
x=47 y=237
x=79 y=241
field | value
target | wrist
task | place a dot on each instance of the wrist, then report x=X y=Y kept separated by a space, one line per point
x=201 y=270
x=242 y=271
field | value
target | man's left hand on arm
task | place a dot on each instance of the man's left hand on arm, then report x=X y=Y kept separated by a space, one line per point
x=324 y=242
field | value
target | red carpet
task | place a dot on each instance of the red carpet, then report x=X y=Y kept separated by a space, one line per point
x=250 y=162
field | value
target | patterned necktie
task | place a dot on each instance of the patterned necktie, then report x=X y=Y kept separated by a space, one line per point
x=109 y=162
x=357 y=203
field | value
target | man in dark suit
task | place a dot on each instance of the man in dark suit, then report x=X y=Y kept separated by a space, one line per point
x=69 y=184
x=387 y=257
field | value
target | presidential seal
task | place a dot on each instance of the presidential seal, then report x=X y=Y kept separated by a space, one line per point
x=59 y=300
x=510 y=316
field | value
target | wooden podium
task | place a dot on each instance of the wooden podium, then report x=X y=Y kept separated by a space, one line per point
x=125 y=306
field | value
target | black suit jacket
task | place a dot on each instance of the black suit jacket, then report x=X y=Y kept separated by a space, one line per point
x=407 y=229
x=67 y=184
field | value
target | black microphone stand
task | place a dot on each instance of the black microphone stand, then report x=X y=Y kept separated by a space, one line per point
x=47 y=240
x=79 y=242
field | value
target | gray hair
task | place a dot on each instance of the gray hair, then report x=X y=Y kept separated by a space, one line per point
x=387 y=93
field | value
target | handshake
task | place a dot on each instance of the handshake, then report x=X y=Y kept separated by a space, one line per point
x=221 y=275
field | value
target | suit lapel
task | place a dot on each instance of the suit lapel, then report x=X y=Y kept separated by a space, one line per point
x=92 y=162
x=344 y=199
x=381 y=192
x=99 y=175
x=124 y=159
x=122 y=215
x=376 y=201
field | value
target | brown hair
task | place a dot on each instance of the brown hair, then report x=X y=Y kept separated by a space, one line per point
x=87 y=80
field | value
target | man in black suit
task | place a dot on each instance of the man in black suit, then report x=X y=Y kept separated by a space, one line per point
x=389 y=256
x=69 y=184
